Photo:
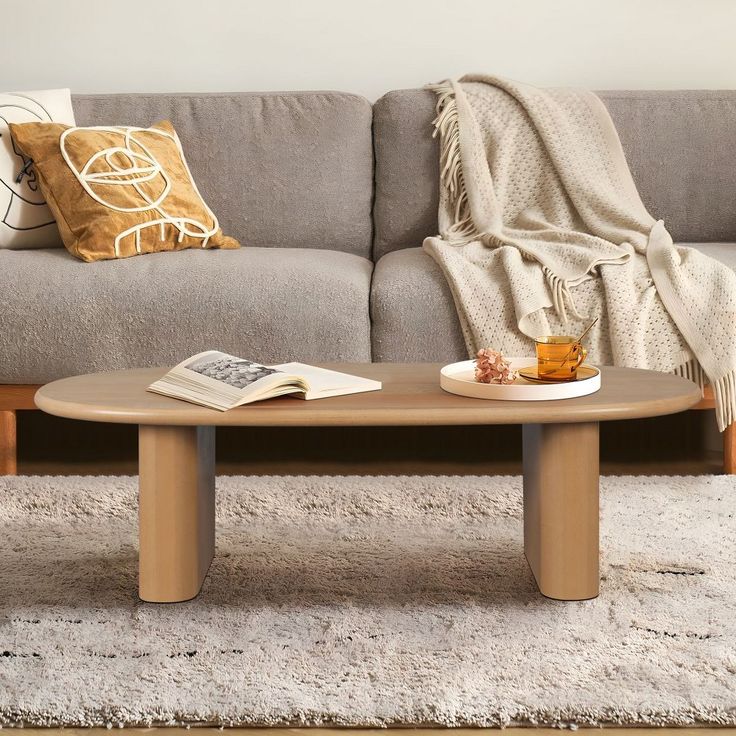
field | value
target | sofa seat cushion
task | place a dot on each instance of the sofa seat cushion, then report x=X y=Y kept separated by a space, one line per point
x=723 y=252
x=61 y=316
x=414 y=316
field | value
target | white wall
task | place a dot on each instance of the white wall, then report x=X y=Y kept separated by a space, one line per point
x=364 y=46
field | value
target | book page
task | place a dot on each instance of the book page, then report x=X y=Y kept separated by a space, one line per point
x=322 y=382
x=236 y=372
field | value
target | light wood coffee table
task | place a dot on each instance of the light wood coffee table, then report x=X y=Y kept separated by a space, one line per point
x=177 y=457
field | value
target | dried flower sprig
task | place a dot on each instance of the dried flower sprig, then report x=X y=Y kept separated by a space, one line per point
x=492 y=367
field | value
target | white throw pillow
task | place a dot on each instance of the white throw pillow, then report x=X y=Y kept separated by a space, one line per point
x=25 y=220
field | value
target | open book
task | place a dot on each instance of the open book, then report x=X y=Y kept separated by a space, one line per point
x=222 y=381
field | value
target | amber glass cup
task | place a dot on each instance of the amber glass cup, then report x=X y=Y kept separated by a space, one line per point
x=558 y=357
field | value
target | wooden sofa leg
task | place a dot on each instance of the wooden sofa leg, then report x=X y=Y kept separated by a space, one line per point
x=729 y=450
x=8 y=458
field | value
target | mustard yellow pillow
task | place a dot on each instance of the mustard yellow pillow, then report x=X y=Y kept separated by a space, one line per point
x=119 y=191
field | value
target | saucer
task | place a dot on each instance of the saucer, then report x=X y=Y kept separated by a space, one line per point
x=584 y=373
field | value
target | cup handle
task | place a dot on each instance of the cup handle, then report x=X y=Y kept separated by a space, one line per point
x=582 y=354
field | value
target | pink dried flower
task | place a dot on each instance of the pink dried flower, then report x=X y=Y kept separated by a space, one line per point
x=492 y=367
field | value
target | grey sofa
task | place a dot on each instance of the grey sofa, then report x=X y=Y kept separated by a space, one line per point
x=332 y=197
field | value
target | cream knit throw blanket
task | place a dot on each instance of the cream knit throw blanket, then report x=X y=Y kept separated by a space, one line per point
x=542 y=229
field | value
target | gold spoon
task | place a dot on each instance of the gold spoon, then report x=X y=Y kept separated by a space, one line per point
x=577 y=342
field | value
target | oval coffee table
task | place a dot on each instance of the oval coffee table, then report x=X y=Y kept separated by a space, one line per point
x=177 y=457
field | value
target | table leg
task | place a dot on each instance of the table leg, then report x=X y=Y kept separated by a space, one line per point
x=561 y=475
x=176 y=511
x=8 y=443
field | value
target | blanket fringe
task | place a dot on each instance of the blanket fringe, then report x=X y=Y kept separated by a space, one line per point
x=693 y=371
x=447 y=127
x=724 y=390
x=562 y=298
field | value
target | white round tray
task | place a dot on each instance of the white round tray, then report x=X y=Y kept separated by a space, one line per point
x=459 y=378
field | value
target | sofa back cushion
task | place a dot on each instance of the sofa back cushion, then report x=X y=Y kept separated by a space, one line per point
x=679 y=146
x=291 y=169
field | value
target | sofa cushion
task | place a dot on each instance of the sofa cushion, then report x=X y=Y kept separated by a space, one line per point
x=61 y=316
x=723 y=252
x=289 y=169
x=119 y=192
x=25 y=219
x=413 y=313
x=674 y=143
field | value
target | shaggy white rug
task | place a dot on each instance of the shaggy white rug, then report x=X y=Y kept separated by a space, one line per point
x=370 y=601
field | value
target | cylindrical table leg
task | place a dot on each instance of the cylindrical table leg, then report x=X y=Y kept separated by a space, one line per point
x=176 y=511
x=729 y=449
x=561 y=475
x=8 y=447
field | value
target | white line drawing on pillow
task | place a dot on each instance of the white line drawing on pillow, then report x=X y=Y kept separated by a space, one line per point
x=22 y=206
x=130 y=165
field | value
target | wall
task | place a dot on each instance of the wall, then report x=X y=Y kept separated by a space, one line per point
x=366 y=47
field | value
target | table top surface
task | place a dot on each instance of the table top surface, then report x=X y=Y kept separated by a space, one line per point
x=411 y=395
